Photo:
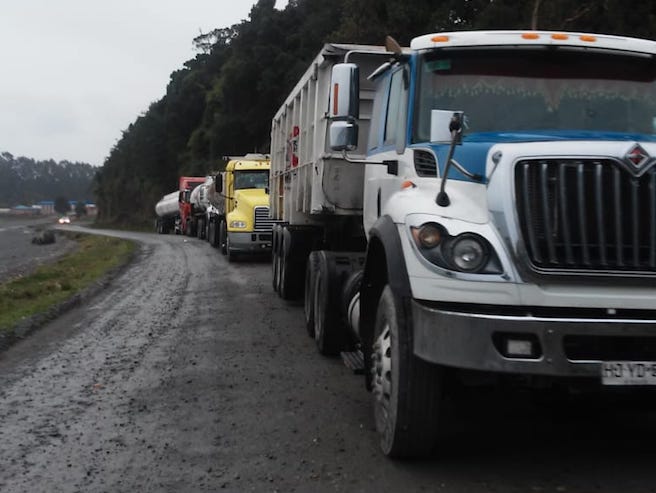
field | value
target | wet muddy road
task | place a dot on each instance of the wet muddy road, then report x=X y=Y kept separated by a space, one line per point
x=187 y=374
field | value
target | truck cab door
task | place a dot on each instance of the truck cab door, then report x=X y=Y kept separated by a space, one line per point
x=387 y=141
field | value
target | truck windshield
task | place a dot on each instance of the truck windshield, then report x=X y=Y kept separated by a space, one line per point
x=251 y=179
x=537 y=90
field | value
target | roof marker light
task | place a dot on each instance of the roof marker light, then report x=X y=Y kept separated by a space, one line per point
x=559 y=36
x=588 y=38
x=531 y=36
x=440 y=39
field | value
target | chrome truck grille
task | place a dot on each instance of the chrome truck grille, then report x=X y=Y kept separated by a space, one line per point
x=592 y=215
x=262 y=220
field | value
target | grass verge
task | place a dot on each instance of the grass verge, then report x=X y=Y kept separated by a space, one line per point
x=51 y=284
x=139 y=226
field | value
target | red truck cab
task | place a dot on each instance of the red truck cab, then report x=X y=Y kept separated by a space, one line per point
x=186 y=185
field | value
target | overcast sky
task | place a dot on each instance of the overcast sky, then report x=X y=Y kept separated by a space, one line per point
x=75 y=73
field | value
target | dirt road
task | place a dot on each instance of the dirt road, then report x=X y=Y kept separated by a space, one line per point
x=187 y=374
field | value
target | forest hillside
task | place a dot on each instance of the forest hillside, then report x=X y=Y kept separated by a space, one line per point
x=25 y=181
x=222 y=101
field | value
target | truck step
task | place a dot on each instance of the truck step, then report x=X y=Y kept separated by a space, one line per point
x=354 y=361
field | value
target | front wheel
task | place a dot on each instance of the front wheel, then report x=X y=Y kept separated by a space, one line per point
x=223 y=238
x=230 y=254
x=407 y=391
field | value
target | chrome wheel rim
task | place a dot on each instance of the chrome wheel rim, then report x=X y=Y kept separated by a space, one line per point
x=381 y=372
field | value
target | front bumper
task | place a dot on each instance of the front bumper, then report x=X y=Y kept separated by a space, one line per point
x=568 y=347
x=252 y=242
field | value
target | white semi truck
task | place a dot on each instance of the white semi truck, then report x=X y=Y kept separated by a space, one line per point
x=483 y=203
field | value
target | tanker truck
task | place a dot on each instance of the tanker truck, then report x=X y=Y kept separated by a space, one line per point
x=174 y=210
x=200 y=199
x=167 y=210
x=482 y=204
x=237 y=207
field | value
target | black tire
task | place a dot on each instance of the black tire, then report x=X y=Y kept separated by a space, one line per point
x=230 y=254
x=310 y=275
x=288 y=288
x=200 y=229
x=294 y=246
x=211 y=233
x=407 y=391
x=223 y=237
x=274 y=271
x=283 y=274
x=275 y=252
x=350 y=289
x=329 y=332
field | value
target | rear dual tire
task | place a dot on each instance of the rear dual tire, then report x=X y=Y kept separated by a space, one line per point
x=200 y=229
x=330 y=334
x=290 y=246
x=308 y=295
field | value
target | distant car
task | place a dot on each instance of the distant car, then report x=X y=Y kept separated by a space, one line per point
x=65 y=220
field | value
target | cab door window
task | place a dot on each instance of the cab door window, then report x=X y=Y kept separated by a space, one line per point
x=395 y=121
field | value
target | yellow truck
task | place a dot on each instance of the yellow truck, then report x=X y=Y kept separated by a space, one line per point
x=237 y=212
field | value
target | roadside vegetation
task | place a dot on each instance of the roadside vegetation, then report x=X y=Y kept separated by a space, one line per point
x=54 y=283
x=222 y=101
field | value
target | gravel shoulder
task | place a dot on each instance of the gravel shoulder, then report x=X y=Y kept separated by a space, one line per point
x=188 y=374
x=18 y=255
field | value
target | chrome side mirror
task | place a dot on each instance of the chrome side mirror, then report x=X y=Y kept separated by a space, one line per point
x=344 y=107
x=343 y=136
x=345 y=91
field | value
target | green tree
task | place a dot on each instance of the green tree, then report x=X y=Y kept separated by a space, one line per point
x=222 y=101
x=80 y=208
x=61 y=205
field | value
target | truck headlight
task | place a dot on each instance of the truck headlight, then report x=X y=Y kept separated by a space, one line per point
x=428 y=236
x=467 y=252
x=238 y=224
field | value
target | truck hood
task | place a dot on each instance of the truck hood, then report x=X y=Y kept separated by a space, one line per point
x=478 y=203
x=475 y=151
x=252 y=197
x=506 y=154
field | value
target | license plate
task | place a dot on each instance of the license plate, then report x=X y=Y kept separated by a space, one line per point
x=628 y=373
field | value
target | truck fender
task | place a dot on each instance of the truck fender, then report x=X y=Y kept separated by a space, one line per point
x=384 y=264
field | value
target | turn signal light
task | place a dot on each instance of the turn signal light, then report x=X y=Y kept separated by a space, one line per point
x=440 y=39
